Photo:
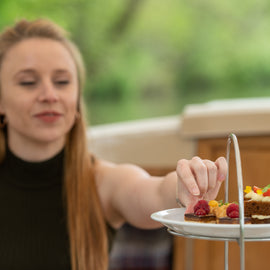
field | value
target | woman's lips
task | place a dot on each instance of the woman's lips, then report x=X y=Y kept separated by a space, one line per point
x=48 y=117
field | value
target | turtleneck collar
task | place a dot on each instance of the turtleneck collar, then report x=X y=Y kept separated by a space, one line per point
x=34 y=174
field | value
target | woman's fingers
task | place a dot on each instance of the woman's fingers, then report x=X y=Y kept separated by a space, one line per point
x=200 y=173
x=222 y=166
x=186 y=176
x=212 y=172
x=222 y=169
x=200 y=178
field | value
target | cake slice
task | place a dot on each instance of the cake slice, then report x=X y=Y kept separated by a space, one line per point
x=257 y=204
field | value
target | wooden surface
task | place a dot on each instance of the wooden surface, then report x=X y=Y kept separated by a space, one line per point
x=209 y=255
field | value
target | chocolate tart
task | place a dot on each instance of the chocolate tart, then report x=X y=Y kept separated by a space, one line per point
x=190 y=217
x=228 y=220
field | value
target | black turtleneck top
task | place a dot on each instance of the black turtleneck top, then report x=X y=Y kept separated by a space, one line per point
x=33 y=231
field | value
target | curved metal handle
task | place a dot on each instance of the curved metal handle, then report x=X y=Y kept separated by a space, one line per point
x=232 y=138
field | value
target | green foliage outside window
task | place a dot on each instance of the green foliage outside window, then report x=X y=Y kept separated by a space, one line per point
x=149 y=58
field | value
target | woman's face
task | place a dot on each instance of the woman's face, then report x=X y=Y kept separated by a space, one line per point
x=39 y=92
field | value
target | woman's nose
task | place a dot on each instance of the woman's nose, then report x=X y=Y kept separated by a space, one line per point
x=48 y=93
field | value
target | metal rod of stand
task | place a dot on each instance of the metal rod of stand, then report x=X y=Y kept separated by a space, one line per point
x=241 y=241
x=226 y=243
x=226 y=255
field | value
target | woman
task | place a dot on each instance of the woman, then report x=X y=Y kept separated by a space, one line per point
x=44 y=159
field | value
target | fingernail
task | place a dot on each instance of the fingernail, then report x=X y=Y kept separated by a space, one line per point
x=195 y=191
x=221 y=177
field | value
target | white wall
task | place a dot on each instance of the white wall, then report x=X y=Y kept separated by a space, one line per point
x=150 y=142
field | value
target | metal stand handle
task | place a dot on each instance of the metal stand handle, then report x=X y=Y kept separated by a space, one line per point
x=241 y=242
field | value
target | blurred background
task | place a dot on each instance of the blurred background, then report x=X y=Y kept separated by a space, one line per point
x=149 y=58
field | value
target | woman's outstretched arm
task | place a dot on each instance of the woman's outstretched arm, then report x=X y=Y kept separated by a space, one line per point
x=129 y=194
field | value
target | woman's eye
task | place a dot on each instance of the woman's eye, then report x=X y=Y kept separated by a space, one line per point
x=62 y=82
x=27 y=83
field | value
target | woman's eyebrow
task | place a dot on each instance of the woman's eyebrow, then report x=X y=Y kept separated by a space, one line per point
x=25 y=71
x=60 y=71
x=30 y=71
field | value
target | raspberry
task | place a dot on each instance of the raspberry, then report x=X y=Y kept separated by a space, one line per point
x=267 y=193
x=233 y=207
x=202 y=204
x=234 y=214
x=200 y=212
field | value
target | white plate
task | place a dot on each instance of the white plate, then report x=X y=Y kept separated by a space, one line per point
x=174 y=220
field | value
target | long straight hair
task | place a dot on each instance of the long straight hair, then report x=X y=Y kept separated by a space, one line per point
x=85 y=220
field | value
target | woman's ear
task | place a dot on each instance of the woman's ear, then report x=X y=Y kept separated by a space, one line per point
x=3 y=120
x=2 y=110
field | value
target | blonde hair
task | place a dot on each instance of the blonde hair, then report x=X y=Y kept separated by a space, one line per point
x=85 y=221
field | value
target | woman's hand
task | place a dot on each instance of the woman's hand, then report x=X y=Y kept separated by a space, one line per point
x=199 y=179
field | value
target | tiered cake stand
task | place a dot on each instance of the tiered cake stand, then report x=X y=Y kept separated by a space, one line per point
x=239 y=237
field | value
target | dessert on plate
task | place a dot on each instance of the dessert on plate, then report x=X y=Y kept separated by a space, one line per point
x=256 y=209
x=215 y=212
x=201 y=213
x=257 y=204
